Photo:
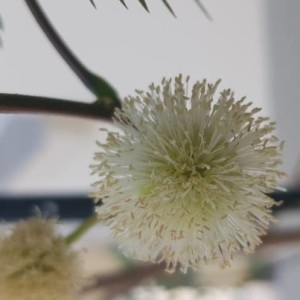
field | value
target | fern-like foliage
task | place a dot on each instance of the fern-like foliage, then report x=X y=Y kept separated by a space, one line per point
x=167 y=5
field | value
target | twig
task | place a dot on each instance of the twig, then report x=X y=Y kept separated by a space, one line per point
x=14 y=103
x=126 y=278
x=280 y=238
x=81 y=229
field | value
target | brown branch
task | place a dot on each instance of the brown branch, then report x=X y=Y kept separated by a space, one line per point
x=14 y=103
x=280 y=238
x=125 y=278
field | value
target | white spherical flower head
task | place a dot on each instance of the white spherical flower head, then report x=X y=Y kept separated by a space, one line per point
x=185 y=180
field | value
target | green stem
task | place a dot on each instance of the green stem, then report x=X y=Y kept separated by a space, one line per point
x=14 y=103
x=96 y=84
x=82 y=229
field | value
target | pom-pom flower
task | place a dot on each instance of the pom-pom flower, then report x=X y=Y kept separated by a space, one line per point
x=36 y=263
x=185 y=180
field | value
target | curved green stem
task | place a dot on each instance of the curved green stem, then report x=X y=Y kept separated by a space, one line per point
x=96 y=84
x=82 y=229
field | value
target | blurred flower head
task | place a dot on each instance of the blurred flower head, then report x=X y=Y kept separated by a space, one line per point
x=37 y=264
x=185 y=180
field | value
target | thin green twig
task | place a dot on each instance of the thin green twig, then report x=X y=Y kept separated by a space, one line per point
x=81 y=229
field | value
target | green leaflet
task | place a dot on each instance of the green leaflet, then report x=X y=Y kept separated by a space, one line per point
x=204 y=10
x=167 y=5
x=93 y=3
x=165 y=2
x=144 y=4
x=123 y=2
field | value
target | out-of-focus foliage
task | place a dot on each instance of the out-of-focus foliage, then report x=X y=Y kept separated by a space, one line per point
x=167 y=5
x=93 y=3
x=1 y=28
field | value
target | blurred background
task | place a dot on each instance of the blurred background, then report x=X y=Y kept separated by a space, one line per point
x=252 y=45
